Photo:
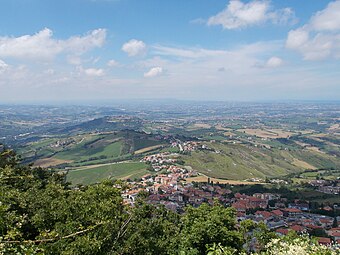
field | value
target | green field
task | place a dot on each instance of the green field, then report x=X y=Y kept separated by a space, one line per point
x=239 y=162
x=81 y=153
x=89 y=149
x=144 y=143
x=130 y=170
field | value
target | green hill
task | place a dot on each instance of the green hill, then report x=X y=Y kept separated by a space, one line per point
x=89 y=149
x=89 y=175
x=239 y=162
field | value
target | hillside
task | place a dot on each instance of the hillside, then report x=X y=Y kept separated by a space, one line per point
x=91 y=157
x=94 y=174
x=90 y=148
x=239 y=161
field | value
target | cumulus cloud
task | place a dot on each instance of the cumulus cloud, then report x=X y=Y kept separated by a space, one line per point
x=74 y=60
x=112 y=63
x=42 y=45
x=94 y=72
x=320 y=37
x=240 y=15
x=274 y=62
x=327 y=19
x=134 y=47
x=153 y=72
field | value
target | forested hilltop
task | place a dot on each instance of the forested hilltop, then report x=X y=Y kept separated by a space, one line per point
x=41 y=214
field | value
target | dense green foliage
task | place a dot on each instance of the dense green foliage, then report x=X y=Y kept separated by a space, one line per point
x=41 y=214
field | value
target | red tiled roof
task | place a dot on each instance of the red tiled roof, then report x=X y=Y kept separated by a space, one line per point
x=240 y=214
x=277 y=212
x=255 y=199
x=313 y=226
x=282 y=231
x=264 y=214
x=336 y=234
x=326 y=220
x=292 y=210
x=307 y=220
x=324 y=240
x=239 y=206
x=297 y=228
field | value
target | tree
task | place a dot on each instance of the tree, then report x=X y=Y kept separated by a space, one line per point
x=207 y=225
x=40 y=213
x=151 y=230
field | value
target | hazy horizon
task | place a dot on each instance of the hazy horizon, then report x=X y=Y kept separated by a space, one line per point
x=168 y=101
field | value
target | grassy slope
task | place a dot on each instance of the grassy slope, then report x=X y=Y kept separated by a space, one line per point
x=240 y=162
x=144 y=143
x=114 y=171
x=80 y=153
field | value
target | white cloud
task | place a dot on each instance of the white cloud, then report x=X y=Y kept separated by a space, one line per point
x=190 y=73
x=153 y=72
x=185 y=53
x=49 y=71
x=42 y=45
x=297 y=38
x=82 y=44
x=134 y=47
x=320 y=37
x=3 y=65
x=274 y=62
x=94 y=72
x=74 y=60
x=199 y=65
x=240 y=15
x=112 y=63
x=227 y=55
x=327 y=19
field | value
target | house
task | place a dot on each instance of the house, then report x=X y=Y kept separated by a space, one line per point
x=334 y=233
x=297 y=228
x=324 y=241
x=282 y=231
x=330 y=189
x=264 y=214
x=326 y=222
x=257 y=203
x=266 y=196
x=240 y=207
x=277 y=213
x=276 y=224
x=291 y=212
x=146 y=177
x=279 y=205
x=300 y=206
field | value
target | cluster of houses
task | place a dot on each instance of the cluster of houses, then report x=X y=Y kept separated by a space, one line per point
x=170 y=189
x=190 y=146
x=160 y=161
x=62 y=143
x=185 y=146
x=328 y=187
x=280 y=216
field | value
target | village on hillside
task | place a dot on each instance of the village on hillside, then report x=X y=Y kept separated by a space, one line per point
x=169 y=187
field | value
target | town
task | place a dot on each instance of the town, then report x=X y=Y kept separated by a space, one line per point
x=168 y=186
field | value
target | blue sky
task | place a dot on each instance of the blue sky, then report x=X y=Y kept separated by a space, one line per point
x=194 y=49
